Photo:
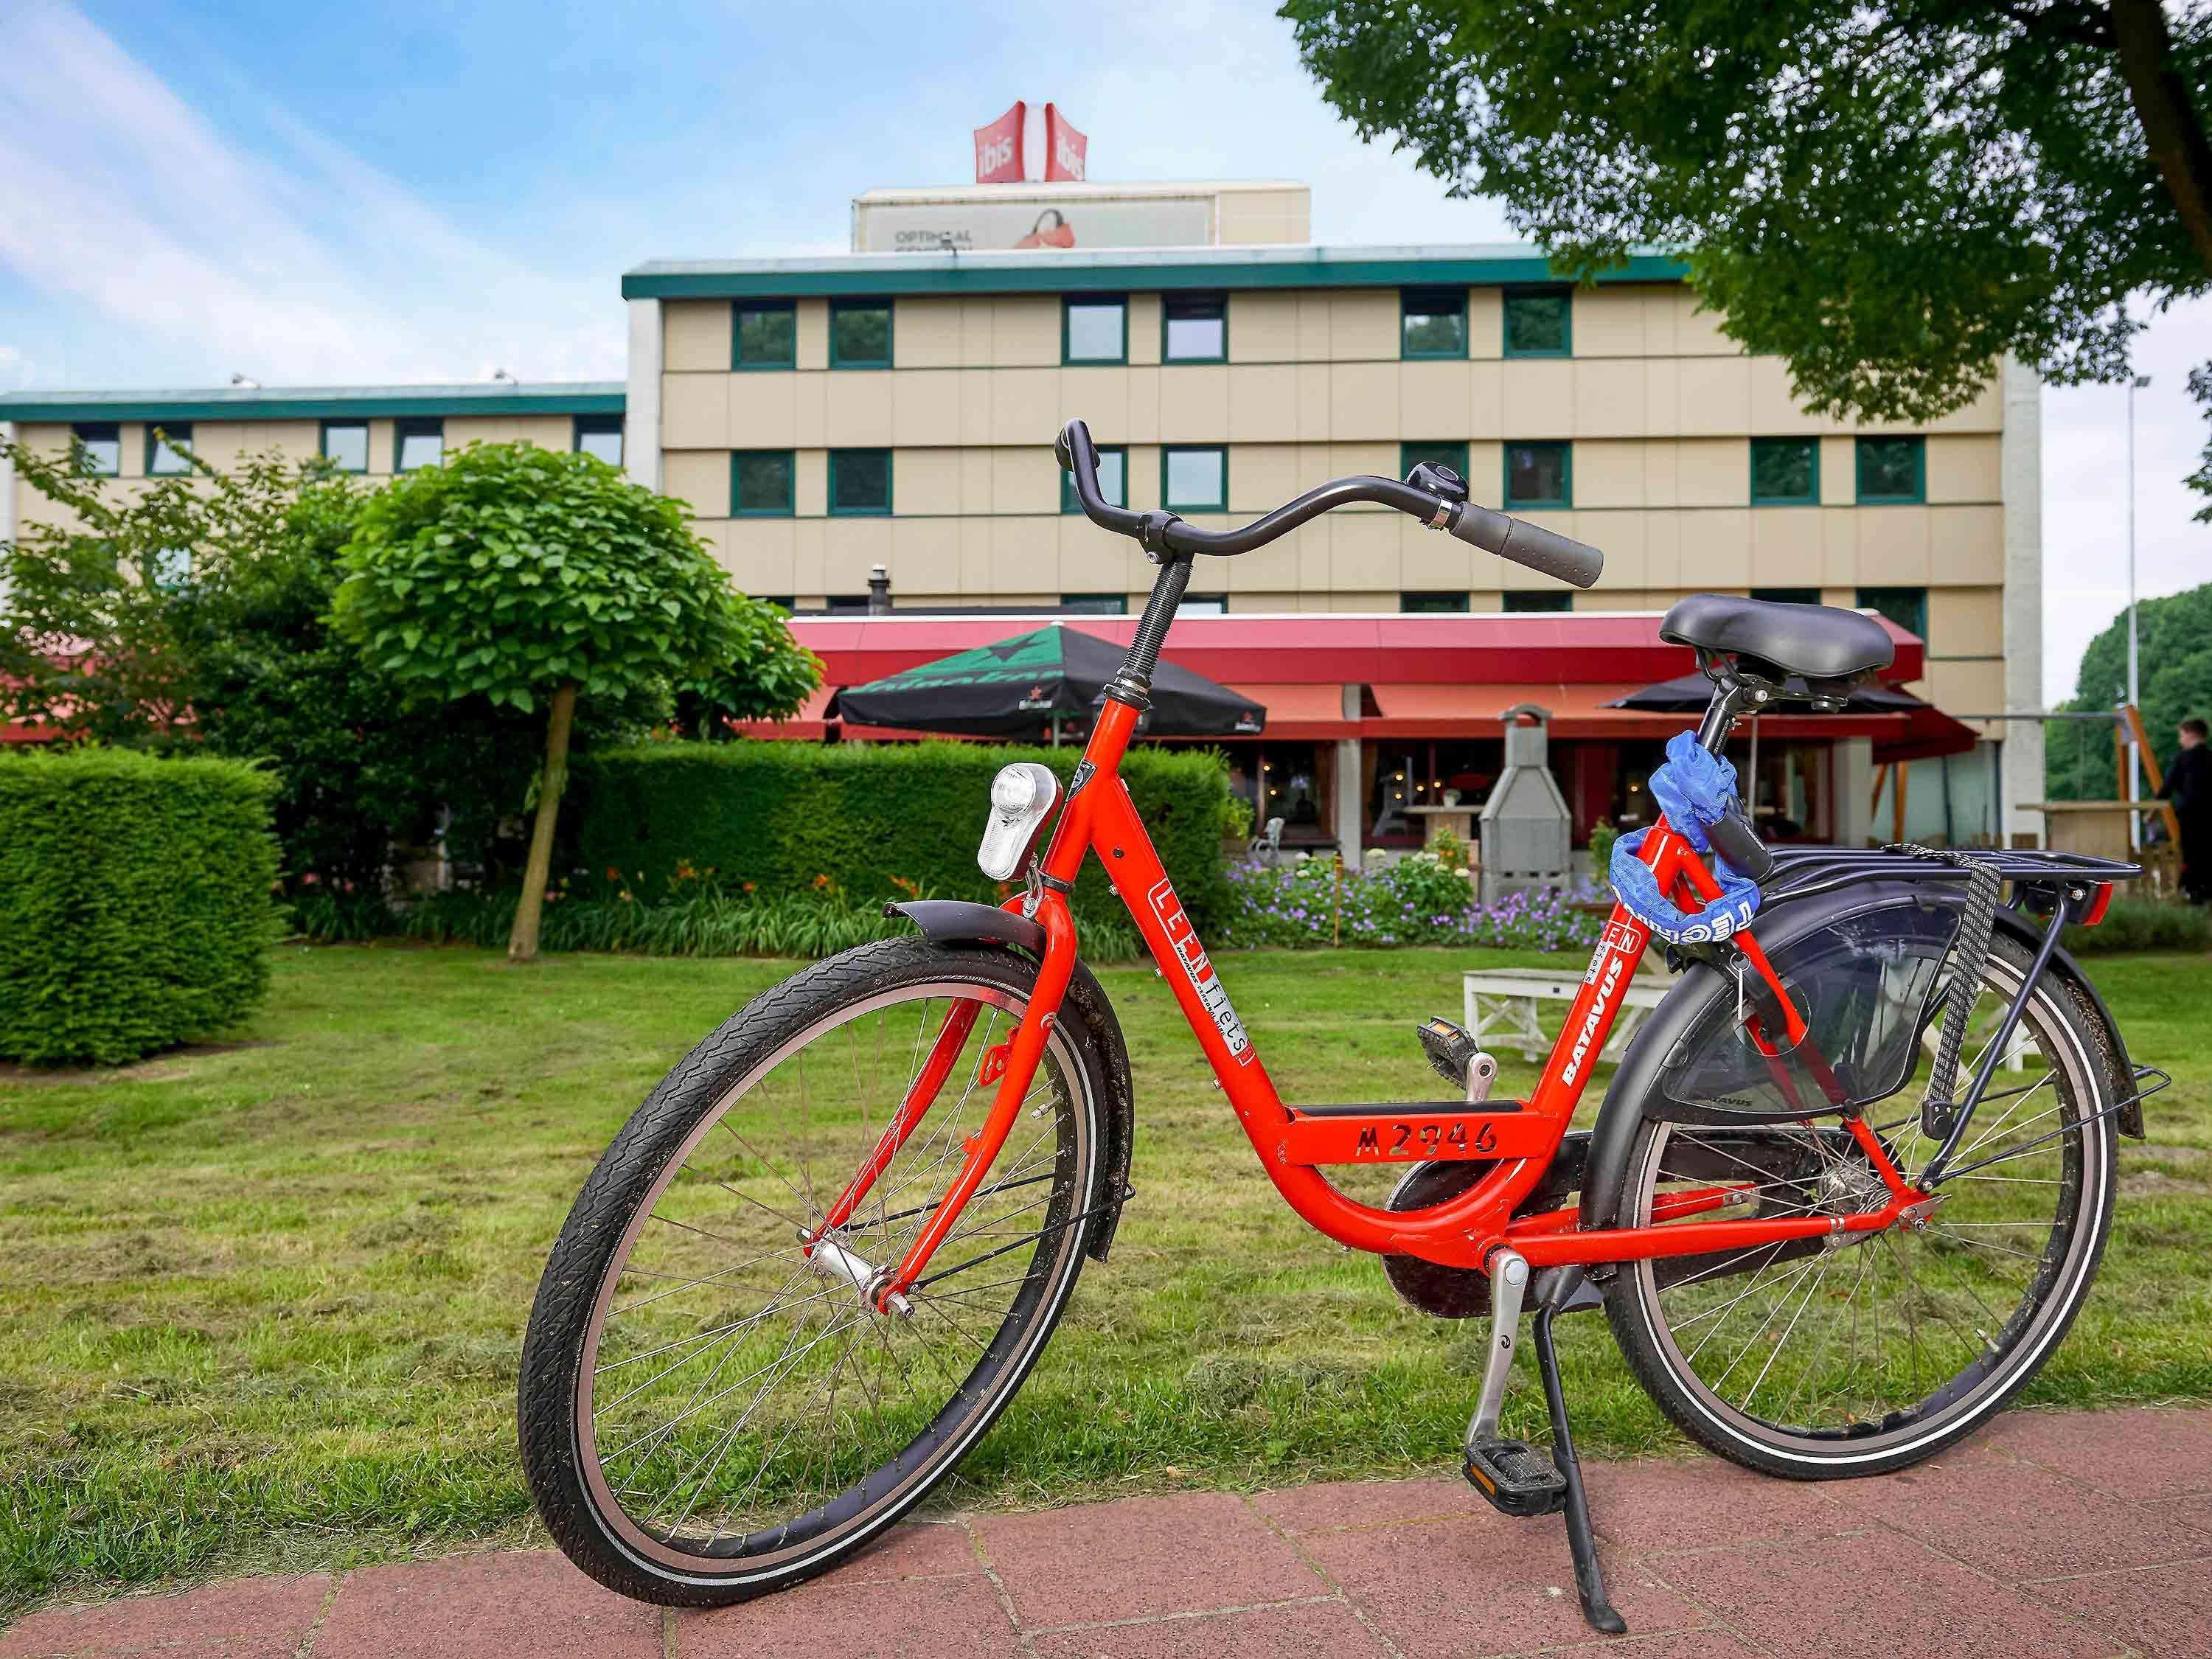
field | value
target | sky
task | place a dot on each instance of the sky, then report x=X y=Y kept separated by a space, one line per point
x=384 y=192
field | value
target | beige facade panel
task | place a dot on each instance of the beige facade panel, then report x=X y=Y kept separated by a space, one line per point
x=1967 y=622
x=1964 y=467
x=554 y=432
x=700 y=478
x=810 y=344
x=695 y=335
x=696 y=409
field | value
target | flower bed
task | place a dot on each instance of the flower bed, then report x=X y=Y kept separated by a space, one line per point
x=1419 y=900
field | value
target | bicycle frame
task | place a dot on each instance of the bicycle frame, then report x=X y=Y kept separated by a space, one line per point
x=1519 y=1137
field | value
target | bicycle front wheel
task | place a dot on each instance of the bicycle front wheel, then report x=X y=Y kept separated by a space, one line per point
x=709 y=1411
x=1862 y=1353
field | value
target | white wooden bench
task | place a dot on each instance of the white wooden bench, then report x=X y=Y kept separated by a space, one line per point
x=1501 y=1003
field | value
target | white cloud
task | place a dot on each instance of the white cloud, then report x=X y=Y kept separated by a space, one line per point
x=307 y=265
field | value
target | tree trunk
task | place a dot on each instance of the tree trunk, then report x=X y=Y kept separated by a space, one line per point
x=2173 y=126
x=522 y=944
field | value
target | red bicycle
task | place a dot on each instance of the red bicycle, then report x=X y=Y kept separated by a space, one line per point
x=821 y=1258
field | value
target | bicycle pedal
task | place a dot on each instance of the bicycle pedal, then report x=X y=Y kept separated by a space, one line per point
x=1456 y=1057
x=1518 y=1479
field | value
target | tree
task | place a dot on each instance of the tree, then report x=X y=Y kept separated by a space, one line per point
x=191 y=616
x=2174 y=646
x=1889 y=194
x=531 y=579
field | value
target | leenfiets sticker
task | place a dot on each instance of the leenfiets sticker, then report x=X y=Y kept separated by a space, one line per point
x=1199 y=969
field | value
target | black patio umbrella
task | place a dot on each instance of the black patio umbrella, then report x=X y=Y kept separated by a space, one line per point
x=1010 y=688
x=1688 y=694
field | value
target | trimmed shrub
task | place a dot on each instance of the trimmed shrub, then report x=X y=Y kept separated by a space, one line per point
x=881 y=821
x=2144 y=924
x=135 y=907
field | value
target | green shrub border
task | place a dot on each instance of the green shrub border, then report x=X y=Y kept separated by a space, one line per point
x=134 y=902
x=880 y=821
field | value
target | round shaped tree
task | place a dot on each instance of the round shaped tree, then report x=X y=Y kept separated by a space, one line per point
x=531 y=578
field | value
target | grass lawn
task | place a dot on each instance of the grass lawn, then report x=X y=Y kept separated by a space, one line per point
x=261 y=1307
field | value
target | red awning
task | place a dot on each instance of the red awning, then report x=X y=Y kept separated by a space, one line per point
x=1302 y=714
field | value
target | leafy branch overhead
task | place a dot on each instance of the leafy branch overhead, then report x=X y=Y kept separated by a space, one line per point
x=1890 y=194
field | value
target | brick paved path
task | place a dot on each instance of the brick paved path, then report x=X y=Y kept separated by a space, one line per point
x=2070 y=1535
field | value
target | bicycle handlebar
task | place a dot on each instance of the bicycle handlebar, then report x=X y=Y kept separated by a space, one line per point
x=1525 y=544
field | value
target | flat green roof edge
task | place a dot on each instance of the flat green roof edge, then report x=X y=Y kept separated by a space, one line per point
x=1115 y=278
x=26 y=408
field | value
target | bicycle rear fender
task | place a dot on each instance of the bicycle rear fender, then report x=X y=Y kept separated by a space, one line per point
x=1635 y=1084
x=956 y=921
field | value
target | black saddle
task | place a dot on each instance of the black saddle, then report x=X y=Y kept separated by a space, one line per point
x=1814 y=642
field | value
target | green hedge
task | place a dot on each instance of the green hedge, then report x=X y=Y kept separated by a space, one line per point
x=135 y=907
x=868 y=816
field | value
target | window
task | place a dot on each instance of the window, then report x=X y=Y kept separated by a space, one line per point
x=764 y=334
x=1539 y=476
x=1194 y=480
x=1203 y=604
x=166 y=446
x=1785 y=472
x=345 y=445
x=860 y=334
x=1113 y=481
x=1094 y=330
x=600 y=435
x=785 y=601
x=1787 y=595
x=1893 y=470
x=171 y=567
x=844 y=604
x=1411 y=455
x=1538 y=604
x=1418 y=604
x=1194 y=328
x=102 y=443
x=1095 y=604
x=859 y=480
x=418 y=443
x=1905 y=606
x=1433 y=323
x=760 y=484
x=1539 y=323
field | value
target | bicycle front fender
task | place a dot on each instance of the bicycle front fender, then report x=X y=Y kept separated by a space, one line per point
x=957 y=921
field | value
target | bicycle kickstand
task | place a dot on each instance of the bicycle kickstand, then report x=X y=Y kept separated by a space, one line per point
x=1563 y=1290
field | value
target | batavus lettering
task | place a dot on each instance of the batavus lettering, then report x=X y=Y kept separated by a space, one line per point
x=1198 y=970
x=1595 y=1017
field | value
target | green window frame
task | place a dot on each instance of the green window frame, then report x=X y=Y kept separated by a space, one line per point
x=1533 y=452
x=1535 y=604
x=775 y=484
x=1421 y=313
x=588 y=426
x=1905 y=606
x=1892 y=472
x=1116 y=303
x=1095 y=604
x=102 y=442
x=1168 y=453
x=844 y=465
x=774 y=326
x=1453 y=455
x=415 y=425
x=323 y=444
x=1785 y=472
x=1540 y=322
x=176 y=445
x=1113 y=480
x=1433 y=603
x=849 y=346
x=1193 y=308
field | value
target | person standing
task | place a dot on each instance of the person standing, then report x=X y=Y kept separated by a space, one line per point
x=2188 y=787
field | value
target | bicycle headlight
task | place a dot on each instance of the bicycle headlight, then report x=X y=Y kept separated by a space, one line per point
x=1022 y=795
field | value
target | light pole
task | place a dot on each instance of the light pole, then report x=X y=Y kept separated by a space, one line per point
x=2136 y=384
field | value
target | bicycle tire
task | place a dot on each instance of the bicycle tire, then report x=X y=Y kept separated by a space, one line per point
x=2072 y=1041
x=562 y=1459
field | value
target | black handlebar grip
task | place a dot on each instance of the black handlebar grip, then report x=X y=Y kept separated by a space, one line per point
x=1525 y=543
x=1734 y=840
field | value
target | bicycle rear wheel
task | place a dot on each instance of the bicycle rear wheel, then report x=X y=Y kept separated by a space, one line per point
x=708 y=1411
x=1862 y=1352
